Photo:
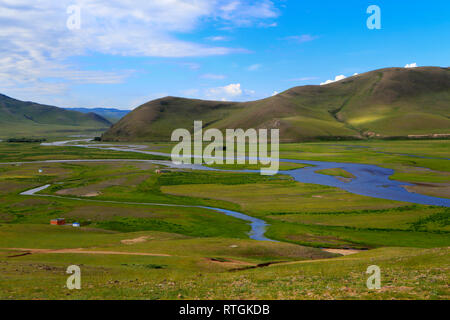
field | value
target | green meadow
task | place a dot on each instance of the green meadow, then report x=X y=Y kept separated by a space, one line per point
x=130 y=248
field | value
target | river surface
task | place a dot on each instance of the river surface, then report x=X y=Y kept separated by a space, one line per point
x=370 y=180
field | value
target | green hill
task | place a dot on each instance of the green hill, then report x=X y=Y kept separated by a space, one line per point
x=19 y=118
x=385 y=102
x=111 y=114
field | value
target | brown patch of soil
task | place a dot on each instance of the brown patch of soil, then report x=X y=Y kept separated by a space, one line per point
x=441 y=190
x=92 y=194
x=229 y=262
x=344 y=252
x=136 y=240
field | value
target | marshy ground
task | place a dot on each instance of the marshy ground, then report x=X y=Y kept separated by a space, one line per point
x=129 y=250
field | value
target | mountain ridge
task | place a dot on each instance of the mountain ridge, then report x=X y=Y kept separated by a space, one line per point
x=384 y=102
x=111 y=114
x=29 y=118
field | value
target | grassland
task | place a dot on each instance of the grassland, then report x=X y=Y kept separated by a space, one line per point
x=129 y=249
x=17 y=152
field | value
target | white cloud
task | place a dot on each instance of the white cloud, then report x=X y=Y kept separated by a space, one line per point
x=232 y=90
x=275 y=93
x=244 y=13
x=301 y=38
x=411 y=65
x=212 y=76
x=254 y=67
x=218 y=38
x=337 y=78
x=36 y=45
x=39 y=89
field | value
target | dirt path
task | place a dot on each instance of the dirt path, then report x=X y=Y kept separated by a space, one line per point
x=344 y=252
x=136 y=240
x=83 y=251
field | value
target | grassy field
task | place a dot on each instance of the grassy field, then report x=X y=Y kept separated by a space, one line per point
x=16 y=152
x=128 y=248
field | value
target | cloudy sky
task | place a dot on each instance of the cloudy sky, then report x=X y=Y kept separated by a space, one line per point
x=124 y=53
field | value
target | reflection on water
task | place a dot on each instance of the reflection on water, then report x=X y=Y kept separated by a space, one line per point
x=371 y=180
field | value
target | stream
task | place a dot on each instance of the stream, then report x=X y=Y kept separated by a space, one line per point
x=370 y=180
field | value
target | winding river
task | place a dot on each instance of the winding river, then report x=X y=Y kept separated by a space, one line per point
x=370 y=180
x=258 y=226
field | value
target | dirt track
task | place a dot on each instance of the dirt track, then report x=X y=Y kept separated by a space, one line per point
x=83 y=251
x=344 y=252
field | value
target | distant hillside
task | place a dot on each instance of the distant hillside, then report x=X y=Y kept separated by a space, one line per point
x=385 y=102
x=19 y=118
x=111 y=114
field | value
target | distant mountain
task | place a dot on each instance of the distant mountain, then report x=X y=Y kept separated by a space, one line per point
x=113 y=115
x=20 y=118
x=385 y=102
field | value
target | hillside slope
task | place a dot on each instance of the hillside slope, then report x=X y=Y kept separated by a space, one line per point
x=111 y=114
x=385 y=102
x=20 y=118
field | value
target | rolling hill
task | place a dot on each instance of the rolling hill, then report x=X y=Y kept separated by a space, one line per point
x=385 y=102
x=111 y=114
x=19 y=118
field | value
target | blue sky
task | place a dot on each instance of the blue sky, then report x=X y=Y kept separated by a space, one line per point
x=128 y=52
